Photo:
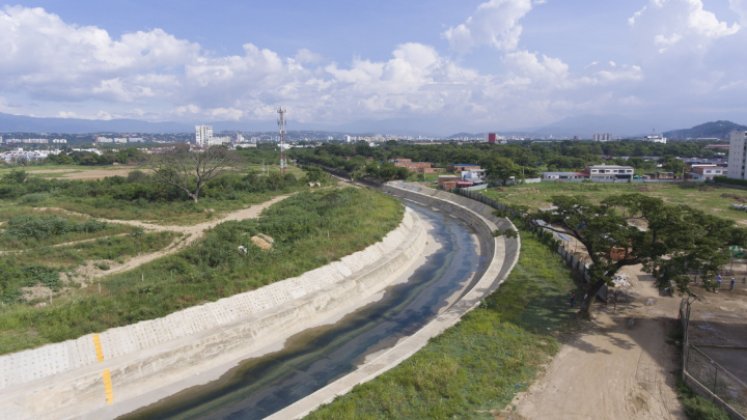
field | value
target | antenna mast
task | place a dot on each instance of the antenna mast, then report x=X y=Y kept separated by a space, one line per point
x=281 y=126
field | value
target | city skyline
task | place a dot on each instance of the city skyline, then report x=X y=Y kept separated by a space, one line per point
x=438 y=65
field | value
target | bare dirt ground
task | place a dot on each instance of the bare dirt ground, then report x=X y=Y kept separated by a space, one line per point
x=619 y=367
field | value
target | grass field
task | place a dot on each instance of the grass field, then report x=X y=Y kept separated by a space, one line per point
x=474 y=369
x=72 y=171
x=711 y=199
x=309 y=229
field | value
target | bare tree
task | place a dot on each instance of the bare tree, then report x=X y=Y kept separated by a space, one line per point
x=191 y=170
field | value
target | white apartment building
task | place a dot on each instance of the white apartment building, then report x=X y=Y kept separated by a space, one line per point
x=656 y=139
x=610 y=173
x=203 y=134
x=218 y=141
x=737 y=154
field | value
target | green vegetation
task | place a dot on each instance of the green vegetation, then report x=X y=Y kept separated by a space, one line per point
x=130 y=155
x=518 y=159
x=705 y=197
x=309 y=230
x=475 y=368
x=34 y=230
x=44 y=265
x=140 y=196
x=697 y=407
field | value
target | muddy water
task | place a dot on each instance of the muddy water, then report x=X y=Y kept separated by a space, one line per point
x=259 y=387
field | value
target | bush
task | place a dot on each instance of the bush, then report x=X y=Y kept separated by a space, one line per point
x=33 y=198
x=36 y=274
x=41 y=227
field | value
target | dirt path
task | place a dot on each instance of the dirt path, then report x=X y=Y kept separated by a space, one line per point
x=621 y=367
x=188 y=235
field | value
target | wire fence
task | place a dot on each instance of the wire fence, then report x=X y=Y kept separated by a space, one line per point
x=708 y=378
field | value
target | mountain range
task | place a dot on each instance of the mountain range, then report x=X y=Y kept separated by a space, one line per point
x=715 y=129
x=583 y=127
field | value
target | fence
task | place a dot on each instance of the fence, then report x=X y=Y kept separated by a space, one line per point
x=575 y=261
x=708 y=378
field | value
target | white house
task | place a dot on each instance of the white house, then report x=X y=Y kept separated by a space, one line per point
x=563 y=176
x=704 y=172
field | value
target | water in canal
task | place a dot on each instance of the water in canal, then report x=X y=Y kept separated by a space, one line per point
x=259 y=387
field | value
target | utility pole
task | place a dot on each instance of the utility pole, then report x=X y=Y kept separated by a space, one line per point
x=281 y=126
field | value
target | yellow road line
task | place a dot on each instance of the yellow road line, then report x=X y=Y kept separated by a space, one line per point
x=98 y=348
x=108 y=391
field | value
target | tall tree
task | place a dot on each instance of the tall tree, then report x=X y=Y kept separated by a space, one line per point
x=190 y=170
x=671 y=242
x=676 y=166
x=500 y=169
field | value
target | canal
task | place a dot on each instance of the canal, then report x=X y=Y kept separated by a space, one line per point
x=259 y=387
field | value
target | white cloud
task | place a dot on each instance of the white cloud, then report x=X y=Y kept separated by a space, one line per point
x=230 y=114
x=306 y=56
x=48 y=58
x=83 y=71
x=740 y=8
x=668 y=23
x=494 y=23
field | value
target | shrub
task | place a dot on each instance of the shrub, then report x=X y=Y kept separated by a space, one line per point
x=33 y=198
x=38 y=227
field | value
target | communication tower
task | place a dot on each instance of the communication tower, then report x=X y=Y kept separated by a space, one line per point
x=281 y=126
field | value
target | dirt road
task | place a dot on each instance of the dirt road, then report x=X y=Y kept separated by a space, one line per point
x=620 y=367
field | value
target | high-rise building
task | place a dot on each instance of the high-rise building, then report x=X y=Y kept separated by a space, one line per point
x=491 y=138
x=737 y=154
x=203 y=134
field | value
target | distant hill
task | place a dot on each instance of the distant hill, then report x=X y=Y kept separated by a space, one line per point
x=714 y=129
x=585 y=126
x=19 y=123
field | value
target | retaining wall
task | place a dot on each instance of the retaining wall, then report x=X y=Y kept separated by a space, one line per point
x=123 y=368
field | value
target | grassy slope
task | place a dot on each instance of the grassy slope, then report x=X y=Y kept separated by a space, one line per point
x=310 y=230
x=712 y=200
x=475 y=368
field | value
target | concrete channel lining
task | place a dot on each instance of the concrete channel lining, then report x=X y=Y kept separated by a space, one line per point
x=505 y=256
x=123 y=368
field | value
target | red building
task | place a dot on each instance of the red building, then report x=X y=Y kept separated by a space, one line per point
x=417 y=167
x=491 y=138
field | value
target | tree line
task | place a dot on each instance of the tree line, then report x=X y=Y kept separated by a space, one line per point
x=527 y=159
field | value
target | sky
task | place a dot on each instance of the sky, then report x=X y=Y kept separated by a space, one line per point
x=439 y=66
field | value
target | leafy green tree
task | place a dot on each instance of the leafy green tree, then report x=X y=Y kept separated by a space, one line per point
x=671 y=242
x=500 y=169
x=675 y=166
